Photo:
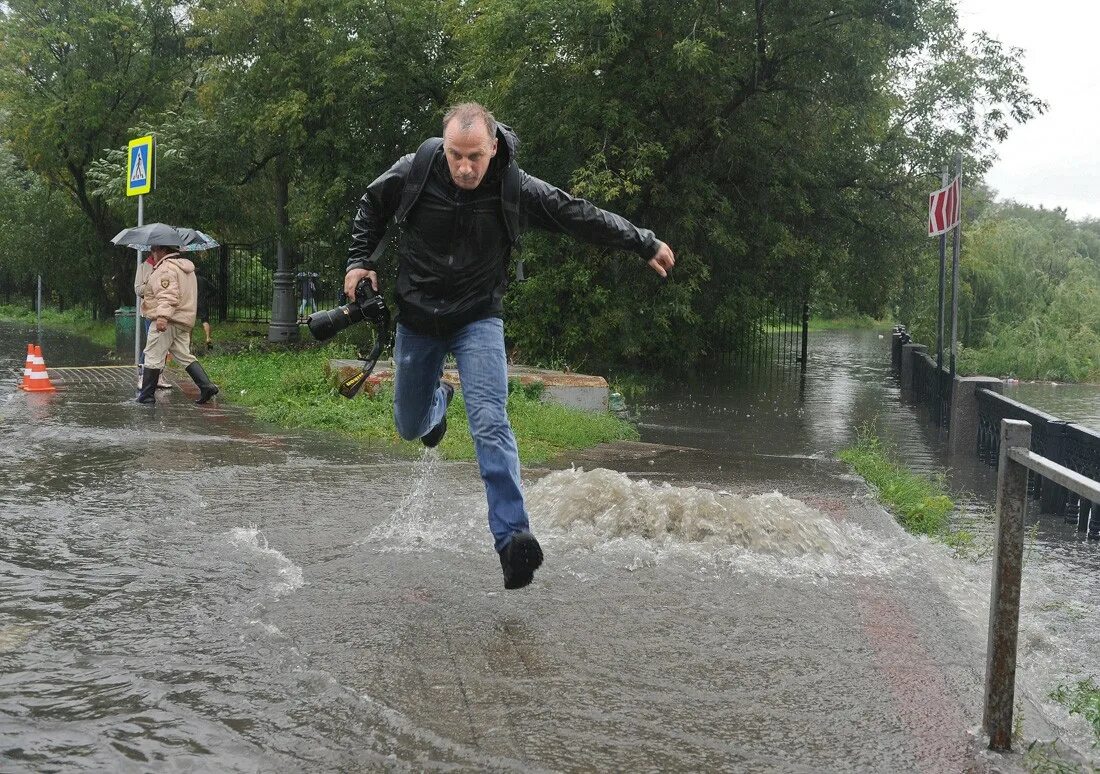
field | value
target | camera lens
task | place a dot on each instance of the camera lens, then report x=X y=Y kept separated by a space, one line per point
x=324 y=325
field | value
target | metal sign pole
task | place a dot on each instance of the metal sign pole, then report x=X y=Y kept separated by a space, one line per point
x=955 y=271
x=137 y=301
x=38 y=307
x=943 y=283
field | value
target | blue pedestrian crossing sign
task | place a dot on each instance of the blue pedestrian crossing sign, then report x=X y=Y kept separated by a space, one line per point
x=139 y=166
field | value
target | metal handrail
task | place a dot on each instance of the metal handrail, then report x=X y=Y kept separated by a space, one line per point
x=1015 y=460
x=1082 y=486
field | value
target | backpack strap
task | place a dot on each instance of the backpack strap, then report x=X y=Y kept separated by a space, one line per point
x=418 y=176
x=509 y=202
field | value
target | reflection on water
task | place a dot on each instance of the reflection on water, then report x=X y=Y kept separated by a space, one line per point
x=849 y=384
x=181 y=588
x=1078 y=403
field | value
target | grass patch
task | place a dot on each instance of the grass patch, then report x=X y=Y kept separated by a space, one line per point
x=920 y=505
x=76 y=321
x=1081 y=699
x=290 y=390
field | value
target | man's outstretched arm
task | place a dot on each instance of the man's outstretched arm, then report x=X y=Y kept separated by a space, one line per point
x=551 y=209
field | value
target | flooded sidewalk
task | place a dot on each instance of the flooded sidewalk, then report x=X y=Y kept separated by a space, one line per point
x=182 y=588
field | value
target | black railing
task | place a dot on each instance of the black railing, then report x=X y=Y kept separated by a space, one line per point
x=931 y=386
x=239 y=279
x=1068 y=444
x=773 y=335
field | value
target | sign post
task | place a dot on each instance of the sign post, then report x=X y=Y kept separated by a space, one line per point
x=140 y=155
x=957 y=239
x=944 y=214
x=943 y=285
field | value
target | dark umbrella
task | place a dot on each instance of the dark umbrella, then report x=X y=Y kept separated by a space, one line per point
x=195 y=240
x=147 y=236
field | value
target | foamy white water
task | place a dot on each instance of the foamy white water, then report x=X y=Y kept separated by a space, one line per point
x=637 y=523
x=288 y=574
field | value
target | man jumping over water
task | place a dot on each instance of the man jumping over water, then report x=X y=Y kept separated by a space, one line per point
x=461 y=204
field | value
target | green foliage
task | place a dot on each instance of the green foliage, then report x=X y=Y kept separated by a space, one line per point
x=73 y=78
x=771 y=145
x=1081 y=699
x=777 y=147
x=920 y=505
x=1029 y=287
x=290 y=390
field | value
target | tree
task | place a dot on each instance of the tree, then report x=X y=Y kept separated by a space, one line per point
x=74 y=77
x=769 y=143
x=308 y=88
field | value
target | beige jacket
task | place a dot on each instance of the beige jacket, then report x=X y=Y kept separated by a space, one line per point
x=171 y=291
x=141 y=277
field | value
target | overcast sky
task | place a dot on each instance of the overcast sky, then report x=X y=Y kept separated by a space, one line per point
x=1054 y=159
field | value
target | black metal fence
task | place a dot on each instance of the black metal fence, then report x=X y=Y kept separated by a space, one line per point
x=930 y=385
x=774 y=336
x=239 y=279
x=1068 y=444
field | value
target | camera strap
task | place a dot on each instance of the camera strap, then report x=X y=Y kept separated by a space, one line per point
x=351 y=386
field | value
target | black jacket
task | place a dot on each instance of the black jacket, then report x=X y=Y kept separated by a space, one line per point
x=454 y=248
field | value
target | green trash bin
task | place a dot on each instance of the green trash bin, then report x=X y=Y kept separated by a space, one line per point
x=124 y=331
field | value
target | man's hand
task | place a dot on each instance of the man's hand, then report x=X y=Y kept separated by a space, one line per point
x=351 y=279
x=663 y=260
x=162 y=324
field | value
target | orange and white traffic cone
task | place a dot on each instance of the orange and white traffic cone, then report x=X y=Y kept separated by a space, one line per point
x=35 y=378
x=27 y=365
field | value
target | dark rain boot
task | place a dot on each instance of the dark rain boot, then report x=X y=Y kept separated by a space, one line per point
x=148 y=391
x=207 y=389
x=519 y=560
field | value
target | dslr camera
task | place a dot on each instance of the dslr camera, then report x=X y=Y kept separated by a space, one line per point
x=368 y=305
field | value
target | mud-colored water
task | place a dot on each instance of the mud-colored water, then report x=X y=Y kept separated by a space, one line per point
x=183 y=589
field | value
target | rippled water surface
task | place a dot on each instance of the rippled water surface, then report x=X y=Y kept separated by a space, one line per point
x=184 y=589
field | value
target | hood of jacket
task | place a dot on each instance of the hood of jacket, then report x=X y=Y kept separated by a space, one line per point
x=507 y=146
x=185 y=264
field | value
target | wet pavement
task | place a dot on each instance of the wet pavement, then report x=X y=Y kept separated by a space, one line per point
x=183 y=588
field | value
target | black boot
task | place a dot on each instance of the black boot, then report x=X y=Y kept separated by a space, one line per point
x=519 y=560
x=148 y=391
x=207 y=389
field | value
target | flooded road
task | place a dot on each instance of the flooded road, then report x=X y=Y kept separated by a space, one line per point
x=182 y=588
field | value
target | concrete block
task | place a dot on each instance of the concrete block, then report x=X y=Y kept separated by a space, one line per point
x=589 y=393
x=908 y=353
x=962 y=431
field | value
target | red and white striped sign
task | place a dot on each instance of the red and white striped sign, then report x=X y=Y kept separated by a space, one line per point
x=944 y=209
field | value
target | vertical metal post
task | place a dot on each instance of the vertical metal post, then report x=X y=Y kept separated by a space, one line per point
x=805 y=332
x=1004 y=601
x=284 y=321
x=943 y=284
x=223 y=283
x=939 y=314
x=955 y=272
x=137 y=298
x=38 y=307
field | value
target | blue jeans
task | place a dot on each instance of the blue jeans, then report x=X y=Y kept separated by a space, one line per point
x=420 y=401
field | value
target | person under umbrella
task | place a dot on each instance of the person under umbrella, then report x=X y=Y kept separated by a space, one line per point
x=170 y=299
x=145 y=268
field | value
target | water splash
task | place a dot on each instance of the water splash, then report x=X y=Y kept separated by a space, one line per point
x=618 y=507
x=252 y=538
x=416 y=524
